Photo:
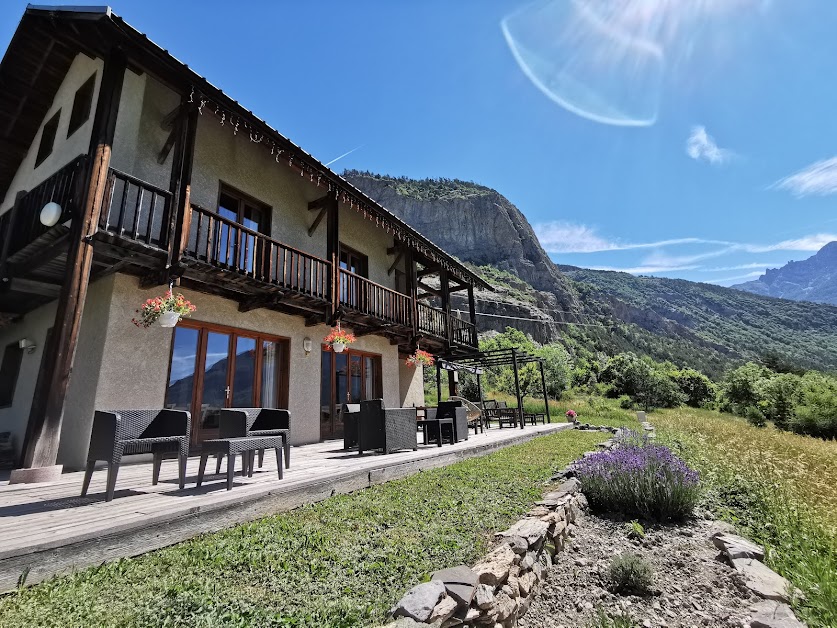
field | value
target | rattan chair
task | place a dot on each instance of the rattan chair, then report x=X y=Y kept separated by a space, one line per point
x=249 y=422
x=389 y=429
x=122 y=432
x=349 y=415
x=456 y=411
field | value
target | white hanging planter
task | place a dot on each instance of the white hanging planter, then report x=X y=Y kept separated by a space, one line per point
x=338 y=347
x=169 y=319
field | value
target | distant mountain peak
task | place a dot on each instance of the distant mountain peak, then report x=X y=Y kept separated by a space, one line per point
x=813 y=279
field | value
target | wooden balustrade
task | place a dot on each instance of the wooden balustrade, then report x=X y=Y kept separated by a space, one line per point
x=21 y=226
x=464 y=332
x=432 y=320
x=226 y=244
x=367 y=297
x=135 y=209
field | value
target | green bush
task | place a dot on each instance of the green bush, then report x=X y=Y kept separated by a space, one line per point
x=630 y=573
x=754 y=416
x=697 y=387
x=626 y=403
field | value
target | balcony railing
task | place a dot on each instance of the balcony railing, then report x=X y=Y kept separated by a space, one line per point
x=432 y=321
x=464 y=333
x=228 y=245
x=367 y=297
x=23 y=226
x=135 y=209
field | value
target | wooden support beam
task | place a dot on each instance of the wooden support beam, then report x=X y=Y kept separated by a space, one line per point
x=445 y=296
x=31 y=286
x=429 y=270
x=259 y=301
x=460 y=286
x=317 y=221
x=472 y=307
x=55 y=248
x=434 y=291
x=164 y=152
x=47 y=411
x=333 y=254
x=323 y=201
x=425 y=295
x=10 y=230
x=395 y=261
x=180 y=185
x=395 y=248
x=171 y=118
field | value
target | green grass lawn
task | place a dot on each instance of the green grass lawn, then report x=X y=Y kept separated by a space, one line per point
x=777 y=487
x=341 y=562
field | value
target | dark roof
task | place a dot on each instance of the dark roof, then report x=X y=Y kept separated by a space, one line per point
x=44 y=45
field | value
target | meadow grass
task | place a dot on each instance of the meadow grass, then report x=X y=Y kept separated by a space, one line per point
x=777 y=487
x=342 y=562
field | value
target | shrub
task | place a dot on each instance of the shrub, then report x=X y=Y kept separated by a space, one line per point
x=626 y=403
x=697 y=388
x=754 y=416
x=639 y=478
x=630 y=573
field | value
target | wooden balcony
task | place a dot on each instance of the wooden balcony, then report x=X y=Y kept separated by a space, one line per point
x=219 y=256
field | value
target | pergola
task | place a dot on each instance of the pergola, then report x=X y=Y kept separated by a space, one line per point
x=478 y=361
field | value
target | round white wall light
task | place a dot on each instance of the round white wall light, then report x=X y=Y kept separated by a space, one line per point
x=51 y=214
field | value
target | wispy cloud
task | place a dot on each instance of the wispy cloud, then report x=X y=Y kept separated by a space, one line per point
x=818 y=179
x=702 y=147
x=812 y=242
x=644 y=270
x=762 y=265
x=565 y=237
x=737 y=278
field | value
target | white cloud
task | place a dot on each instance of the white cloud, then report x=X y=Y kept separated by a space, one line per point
x=702 y=147
x=737 y=278
x=763 y=265
x=819 y=179
x=812 y=242
x=643 y=270
x=566 y=237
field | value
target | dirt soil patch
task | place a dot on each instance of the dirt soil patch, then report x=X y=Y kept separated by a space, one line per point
x=692 y=586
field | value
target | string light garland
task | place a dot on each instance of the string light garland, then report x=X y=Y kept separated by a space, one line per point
x=229 y=119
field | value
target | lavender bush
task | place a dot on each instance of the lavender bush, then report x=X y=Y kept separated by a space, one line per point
x=639 y=478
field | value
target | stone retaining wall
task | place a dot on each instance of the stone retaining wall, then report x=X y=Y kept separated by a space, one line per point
x=499 y=589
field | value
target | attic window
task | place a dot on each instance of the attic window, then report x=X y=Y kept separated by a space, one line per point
x=48 y=138
x=81 y=105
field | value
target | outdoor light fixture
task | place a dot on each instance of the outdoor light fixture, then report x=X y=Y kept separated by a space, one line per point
x=306 y=345
x=50 y=214
x=27 y=345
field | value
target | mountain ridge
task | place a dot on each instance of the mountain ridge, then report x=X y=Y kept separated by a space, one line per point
x=599 y=313
x=813 y=279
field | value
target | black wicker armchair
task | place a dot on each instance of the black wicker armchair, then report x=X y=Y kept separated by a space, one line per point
x=389 y=429
x=122 y=432
x=241 y=422
x=349 y=415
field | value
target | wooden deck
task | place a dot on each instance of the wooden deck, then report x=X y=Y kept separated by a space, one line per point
x=48 y=529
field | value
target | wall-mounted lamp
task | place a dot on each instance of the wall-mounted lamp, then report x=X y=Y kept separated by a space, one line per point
x=50 y=214
x=27 y=345
x=307 y=345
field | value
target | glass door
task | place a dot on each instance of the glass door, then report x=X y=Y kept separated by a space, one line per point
x=348 y=377
x=214 y=368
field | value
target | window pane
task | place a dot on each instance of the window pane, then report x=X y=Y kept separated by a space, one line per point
x=244 y=377
x=270 y=375
x=47 y=138
x=369 y=383
x=182 y=373
x=81 y=105
x=356 y=380
x=214 y=378
x=325 y=390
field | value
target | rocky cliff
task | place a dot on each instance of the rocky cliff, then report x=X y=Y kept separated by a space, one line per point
x=813 y=279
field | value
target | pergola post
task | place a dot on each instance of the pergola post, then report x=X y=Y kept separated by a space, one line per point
x=545 y=396
x=47 y=412
x=482 y=403
x=517 y=387
x=453 y=386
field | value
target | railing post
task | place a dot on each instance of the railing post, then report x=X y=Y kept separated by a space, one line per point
x=332 y=254
x=443 y=276
x=8 y=234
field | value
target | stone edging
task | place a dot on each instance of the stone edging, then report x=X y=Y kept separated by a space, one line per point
x=499 y=589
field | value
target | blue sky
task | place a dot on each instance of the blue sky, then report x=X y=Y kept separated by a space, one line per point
x=692 y=140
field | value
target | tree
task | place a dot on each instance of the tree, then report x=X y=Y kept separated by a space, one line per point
x=697 y=387
x=781 y=395
x=743 y=387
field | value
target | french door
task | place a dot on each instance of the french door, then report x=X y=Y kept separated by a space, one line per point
x=351 y=289
x=237 y=247
x=348 y=377
x=214 y=367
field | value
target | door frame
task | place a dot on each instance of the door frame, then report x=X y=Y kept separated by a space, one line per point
x=204 y=329
x=378 y=382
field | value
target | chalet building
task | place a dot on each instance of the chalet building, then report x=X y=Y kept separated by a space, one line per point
x=159 y=178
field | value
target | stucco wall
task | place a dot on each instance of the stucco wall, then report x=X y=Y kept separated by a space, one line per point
x=81 y=392
x=412 y=384
x=65 y=148
x=135 y=361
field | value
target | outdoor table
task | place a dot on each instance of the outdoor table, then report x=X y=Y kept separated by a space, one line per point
x=435 y=426
x=247 y=447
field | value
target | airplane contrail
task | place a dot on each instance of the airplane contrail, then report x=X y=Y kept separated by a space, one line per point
x=344 y=154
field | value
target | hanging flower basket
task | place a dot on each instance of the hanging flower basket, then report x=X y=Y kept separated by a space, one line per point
x=167 y=310
x=420 y=358
x=338 y=339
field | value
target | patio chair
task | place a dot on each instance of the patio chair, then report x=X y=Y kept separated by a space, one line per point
x=251 y=422
x=489 y=412
x=389 y=429
x=474 y=413
x=456 y=411
x=350 y=414
x=119 y=432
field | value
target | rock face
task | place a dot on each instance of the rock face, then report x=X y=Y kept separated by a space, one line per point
x=772 y=614
x=762 y=580
x=813 y=279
